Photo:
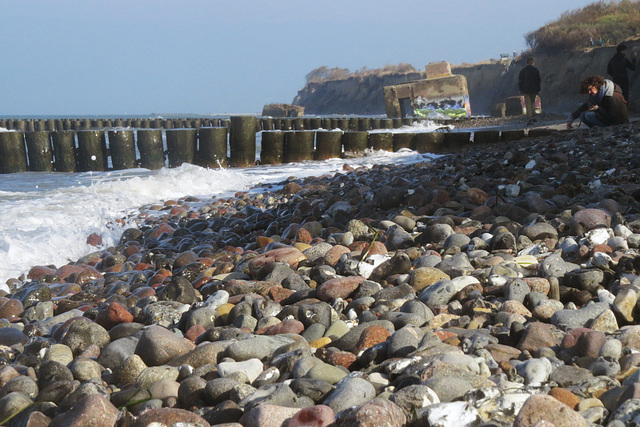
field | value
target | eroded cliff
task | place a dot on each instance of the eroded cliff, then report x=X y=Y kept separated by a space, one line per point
x=489 y=83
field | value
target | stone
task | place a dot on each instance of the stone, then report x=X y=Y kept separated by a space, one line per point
x=313 y=416
x=374 y=412
x=540 y=407
x=266 y=415
x=91 y=410
x=158 y=345
x=350 y=392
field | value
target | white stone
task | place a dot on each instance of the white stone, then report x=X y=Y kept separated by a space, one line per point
x=535 y=371
x=251 y=368
x=512 y=190
x=217 y=299
x=461 y=282
x=452 y=414
x=606 y=296
x=600 y=259
x=622 y=231
x=598 y=236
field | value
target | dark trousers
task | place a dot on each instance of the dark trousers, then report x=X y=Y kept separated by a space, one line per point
x=530 y=103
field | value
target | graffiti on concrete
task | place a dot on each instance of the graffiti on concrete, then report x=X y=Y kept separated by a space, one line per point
x=454 y=107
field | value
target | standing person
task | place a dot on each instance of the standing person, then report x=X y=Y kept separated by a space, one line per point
x=617 y=68
x=529 y=85
x=604 y=107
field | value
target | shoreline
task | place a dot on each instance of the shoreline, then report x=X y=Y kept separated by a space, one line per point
x=508 y=269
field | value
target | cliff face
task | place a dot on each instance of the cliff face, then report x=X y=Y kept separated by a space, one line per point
x=488 y=84
x=355 y=95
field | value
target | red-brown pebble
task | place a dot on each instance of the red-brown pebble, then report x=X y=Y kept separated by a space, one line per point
x=340 y=287
x=371 y=336
x=287 y=326
x=113 y=314
x=313 y=416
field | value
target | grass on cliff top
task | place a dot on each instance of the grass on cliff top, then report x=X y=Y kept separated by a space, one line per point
x=604 y=22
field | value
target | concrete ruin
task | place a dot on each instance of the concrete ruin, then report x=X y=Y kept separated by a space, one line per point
x=441 y=95
x=282 y=110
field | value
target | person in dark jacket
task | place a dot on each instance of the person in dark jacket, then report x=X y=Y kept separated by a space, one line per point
x=605 y=106
x=617 y=68
x=529 y=85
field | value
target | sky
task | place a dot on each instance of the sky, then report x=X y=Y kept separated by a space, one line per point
x=140 y=57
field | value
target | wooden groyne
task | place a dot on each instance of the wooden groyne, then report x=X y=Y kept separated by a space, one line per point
x=69 y=145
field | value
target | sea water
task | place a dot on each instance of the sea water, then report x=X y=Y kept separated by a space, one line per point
x=45 y=218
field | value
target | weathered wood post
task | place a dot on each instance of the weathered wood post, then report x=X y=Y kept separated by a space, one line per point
x=13 y=157
x=272 y=148
x=266 y=123
x=242 y=141
x=397 y=122
x=122 y=148
x=486 y=136
x=286 y=124
x=298 y=146
x=403 y=140
x=150 y=147
x=92 y=148
x=364 y=124
x=511 y=135
x=354 y=143
x=381 y=141
x=39 y=151
x=429 y=142
x=315 y=123
x=298 y=123
x=328 y=145
x=343 y=124
x=453 y=141
x=64 y=150
x=212 y=147
x=181 y=146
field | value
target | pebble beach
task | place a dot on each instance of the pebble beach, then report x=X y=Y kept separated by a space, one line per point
x=497 y=286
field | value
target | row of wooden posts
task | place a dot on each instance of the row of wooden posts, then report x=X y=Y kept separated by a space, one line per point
x=262 y=123
x=219 y=146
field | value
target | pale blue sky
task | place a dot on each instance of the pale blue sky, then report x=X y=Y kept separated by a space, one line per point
x=76 y=57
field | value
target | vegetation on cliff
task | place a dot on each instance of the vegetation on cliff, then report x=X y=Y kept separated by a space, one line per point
x=603 y=22
x=324 y=73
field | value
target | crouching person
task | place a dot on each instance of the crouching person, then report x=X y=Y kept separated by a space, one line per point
x=605 y=106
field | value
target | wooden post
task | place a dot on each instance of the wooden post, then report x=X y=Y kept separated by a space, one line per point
x=272 y=148
x=364 y=124
x=150 y=148
x=181 y=146
x=315 y=123
x=298 y=123
x=429 y=142
x=39 y=151
x=328 y=145
x=122 y=148
x=242 y=141
x=212 y=147
x=64 y=150
x=486 y=136
x=92 y=148
x=453 y=141
x=354 y=143
x=381 y=141
x=403 y=140
x=298 y=146
x=511 y=135
x=13 y=157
